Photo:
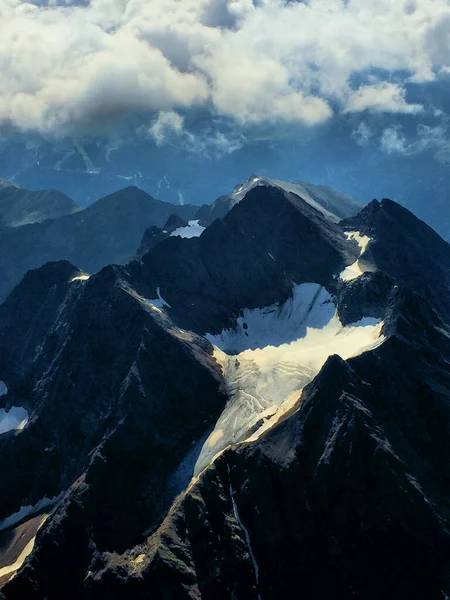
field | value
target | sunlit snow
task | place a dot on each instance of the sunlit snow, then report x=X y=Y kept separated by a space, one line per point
x=293 y=188
x=15 y=566
x=193 y=229
x=310 y=305
x=82 y=277
x=158 y=302
x=357 y=268
x=14 y=419
x=267 y=364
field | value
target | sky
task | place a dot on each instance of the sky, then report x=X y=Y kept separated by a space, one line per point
x=67 y=67
x=212 y=76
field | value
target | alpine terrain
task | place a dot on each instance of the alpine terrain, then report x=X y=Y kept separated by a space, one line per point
x=256 y=406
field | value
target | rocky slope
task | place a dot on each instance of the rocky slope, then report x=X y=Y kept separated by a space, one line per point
x=109 y=231
x=261 y=411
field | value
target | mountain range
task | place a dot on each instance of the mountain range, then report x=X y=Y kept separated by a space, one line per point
x=47 y=226
x=255 y=407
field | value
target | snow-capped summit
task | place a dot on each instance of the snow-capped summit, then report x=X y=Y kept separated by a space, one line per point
x=331 y=203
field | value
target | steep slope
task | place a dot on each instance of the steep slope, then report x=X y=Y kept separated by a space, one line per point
x=204 y=443
x=341 y=204
x=19 y=206
x=95 y=417
x=405 y=248
x=109 y=231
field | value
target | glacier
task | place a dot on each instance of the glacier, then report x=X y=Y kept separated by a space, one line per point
x=271 y=354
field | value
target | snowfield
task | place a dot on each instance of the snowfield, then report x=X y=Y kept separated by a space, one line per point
x=272 y=354
x=158 y=302
x=82 y=277
x=14 y=419
x=193 y=229
x=358 y=267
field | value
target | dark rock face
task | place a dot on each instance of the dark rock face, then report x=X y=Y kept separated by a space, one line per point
x=346 y=497
x=99 y=418
x=217 y=210
x=407 y=249
x=19 y=206
x=153 y=235
x=109 y=231
x=247 y=259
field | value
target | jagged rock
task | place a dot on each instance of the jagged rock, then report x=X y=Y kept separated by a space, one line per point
x=153 y=235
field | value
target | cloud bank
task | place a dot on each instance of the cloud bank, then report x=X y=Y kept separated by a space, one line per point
x=70 y=67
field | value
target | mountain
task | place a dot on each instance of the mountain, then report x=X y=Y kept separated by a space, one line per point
x=260 y=410
x=109 y=231
x=350 y=155
x=334 y=204
x=19 y=206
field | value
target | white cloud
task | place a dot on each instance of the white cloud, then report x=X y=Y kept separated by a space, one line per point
x=166 y=124
x=67 y=65
x=393 y=141
x=169 y=126
x=381 y=97
x=427 y=138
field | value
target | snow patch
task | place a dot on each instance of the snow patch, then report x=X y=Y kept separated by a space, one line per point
x=14 y=419
x=357 y=268
x=3 y=388
x=15 y=566
x=82 y=277
x=193 y=229
x=351 y=272
x=158 y=302
x=26 y=511
x=272 y=354
x=310 y=305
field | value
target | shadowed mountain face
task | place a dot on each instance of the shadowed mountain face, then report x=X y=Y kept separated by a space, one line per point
x=109 y=231
x=19 y=206
x=294 y=364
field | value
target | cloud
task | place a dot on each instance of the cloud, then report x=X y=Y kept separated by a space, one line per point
x=393 y=141
x=71 y=66
x=362 y=134
x=166 y=124
x=169 y=127
x=382 y=97
x=426 y=138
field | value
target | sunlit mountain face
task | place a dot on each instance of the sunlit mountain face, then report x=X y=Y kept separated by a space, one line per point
x=186 y=99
